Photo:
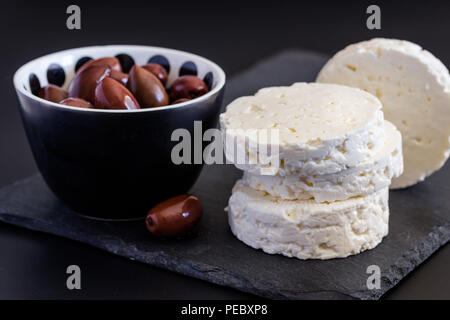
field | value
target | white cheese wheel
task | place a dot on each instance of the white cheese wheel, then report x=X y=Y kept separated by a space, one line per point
x=414 y=87
x=305 y=229
x=363 y=179
x=322 y=128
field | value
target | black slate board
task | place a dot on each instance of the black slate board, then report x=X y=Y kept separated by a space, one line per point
x=419 y=223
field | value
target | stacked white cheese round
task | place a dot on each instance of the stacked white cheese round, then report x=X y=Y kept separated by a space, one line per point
x=324 y=194
x=306 y=229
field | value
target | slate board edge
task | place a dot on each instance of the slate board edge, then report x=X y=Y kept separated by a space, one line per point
x=413 y=257
x=197 y=270
x=407 y=262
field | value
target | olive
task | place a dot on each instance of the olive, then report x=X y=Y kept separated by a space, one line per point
x=52 y=93
x=189 y=87
x=76 y=102
x=113 y=63
x=84 y=84
x=106 y=84
x=175 y=216
x=158 y=70
x=147 y=89
x=110 y=94
x=119 y=76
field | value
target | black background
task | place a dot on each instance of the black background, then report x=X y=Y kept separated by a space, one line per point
x=235 y=34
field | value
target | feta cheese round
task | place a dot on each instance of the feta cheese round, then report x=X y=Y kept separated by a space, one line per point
x=322 y=128
x=363 y=179
x=414 y=87
x=305 y=229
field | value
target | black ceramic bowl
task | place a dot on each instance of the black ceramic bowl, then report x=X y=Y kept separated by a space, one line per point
x=113 y=164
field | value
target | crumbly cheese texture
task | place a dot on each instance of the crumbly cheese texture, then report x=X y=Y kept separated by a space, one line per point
x=305 y=229
x=414 y=88
x=322 y=128
x=363 y=179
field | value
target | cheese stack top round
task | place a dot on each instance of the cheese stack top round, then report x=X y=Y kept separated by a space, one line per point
x=414 y=87
x=322 y=128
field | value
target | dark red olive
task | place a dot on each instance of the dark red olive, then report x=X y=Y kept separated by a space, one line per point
x=84 y=84
x=112 y=62
x=175 y=216
x=110 y=94
x=77 y=102
x=52 y=93
x=158 y=70
x=180 y=100
x=119 y=76
x=188 y=86
x=147 y=89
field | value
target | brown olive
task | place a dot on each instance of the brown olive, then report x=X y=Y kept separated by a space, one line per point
x=119 y=76
x=175 y=216
x=110 y=94
x=158 y=70
x=76 y=102
x=147 y=89
x=113 y=63
x=84 y=84
x=52 y=93
x=180 y=100
x=188 y=86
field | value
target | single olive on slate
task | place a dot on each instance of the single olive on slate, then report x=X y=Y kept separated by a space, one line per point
x=188 y=86
x=110 y=94
x=158 y=70
x=84 y=84
x=175 y=216
x=146 y=87
x=180 y=100
x=119 y=76
x=76 y=102
x=52 y=93
x=112 y=62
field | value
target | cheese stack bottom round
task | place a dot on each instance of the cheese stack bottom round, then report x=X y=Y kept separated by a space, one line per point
x=306 y=229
